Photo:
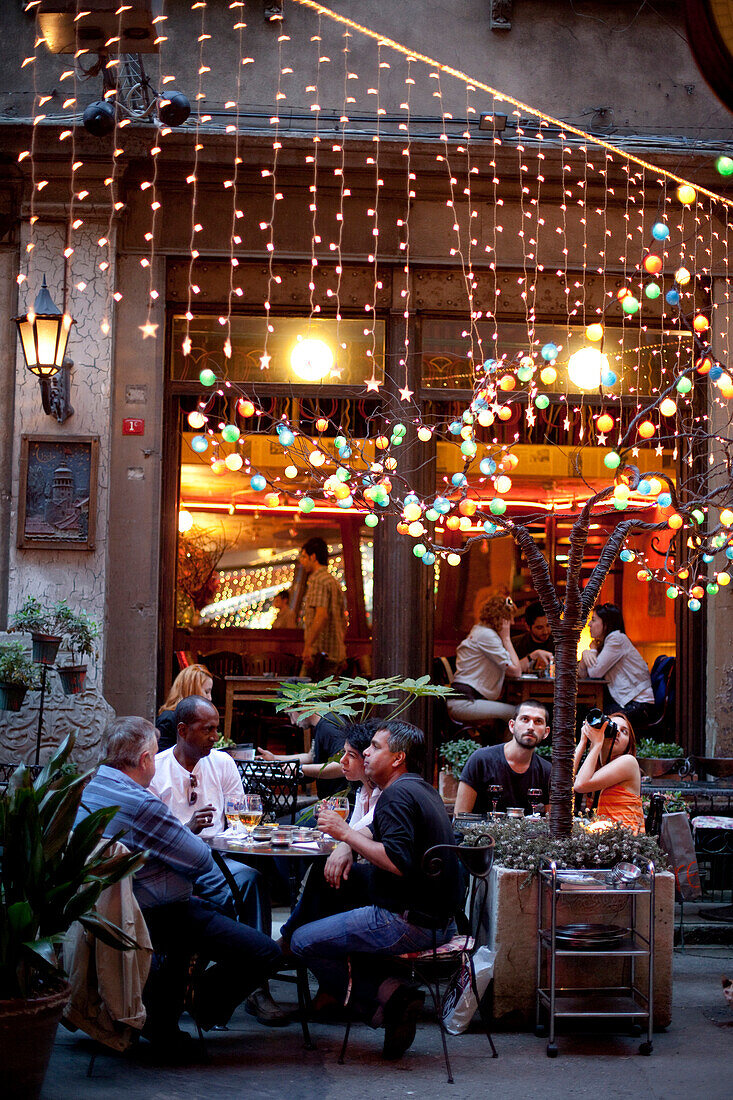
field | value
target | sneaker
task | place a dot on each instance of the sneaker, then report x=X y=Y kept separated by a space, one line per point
x=261 y=1005
x=400 y=1021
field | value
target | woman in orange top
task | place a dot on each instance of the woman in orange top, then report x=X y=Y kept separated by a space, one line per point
x=611 y=767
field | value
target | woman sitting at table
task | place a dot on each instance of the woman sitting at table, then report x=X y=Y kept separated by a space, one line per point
x=611 y=767
x=614 y=658
x=483 y=659
x=194 y=680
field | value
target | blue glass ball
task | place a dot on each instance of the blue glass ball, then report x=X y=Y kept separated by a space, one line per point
x=441 y=505
x=411 y=498
x=487 y=466
x=458 y=480
x=660 y=232
x=644 y=487
x=468 y=448
x=490 y=365
x=199 y=444
x=285 y=436
x=489 y=527
x=428 y=558
x=672 y=297
x=549 y=352
x=664 y=500
x=627 y=555
x=694 y=605
x=608 y=378
x=729 y=553
x=708 y=558
x=455 y=428
x=258 y=482
x=715 y=372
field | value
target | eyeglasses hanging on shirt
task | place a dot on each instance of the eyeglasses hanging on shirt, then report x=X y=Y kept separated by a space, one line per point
x=192 y=795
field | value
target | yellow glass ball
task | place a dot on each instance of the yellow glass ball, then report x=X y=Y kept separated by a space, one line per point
x=234 y=462
x=722 y=579
x=486 y=418
x=321 y=424
x=686 y=194
x=291 y=471
x=548 y=375
x=412 y=512
x=271 y=500
x=416 y=529
x=317 y=458
x=341 y=491
x=726 y=517
x=390 y=463
x=505 y=412
x=464 y=524
x=668 y=407
x=675 y=521
x=453 y=523
x=682 y=276
x=503 y=485
x=424 y=435
x=454 y=559
x=594 y=333
x=646 y=429
x=604 y=422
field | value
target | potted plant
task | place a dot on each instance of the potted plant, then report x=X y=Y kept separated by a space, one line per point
x=40 y=622
x=454 y=755
x=80 y=633
x=51 y=874
x=18 y=674
x=656 y=757
x=354 y=698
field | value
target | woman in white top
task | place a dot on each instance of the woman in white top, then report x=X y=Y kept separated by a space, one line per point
x=483 y=659
x=614 y=658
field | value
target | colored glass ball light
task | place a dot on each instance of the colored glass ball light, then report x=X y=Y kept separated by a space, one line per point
x=646 y=429
x=548 y=375
x=630 y=304
x=604 y=422
x=694 y=605
x=428 y=558
x=207 y=377
x=700 y=323
x=199 y=444
x=668 y=407
x=612 y=461
x=246 y=408
x=196 y=419
x=549 y=352
x=306 y=504
x=257 y=482
x=230 y=433
x=672 y=592
x=660 y=232
x=686 y=194
x=627 y=555
x=672 y=298
x=653 y=263
x=234 y=462
x=371 y=520
x=724 y=166
x=664 y=500
x=542 y=401
x=684 y=385
x=424 y=435
x=682 y=276
x=652 y=291
x=487 y=466
x=594 y=333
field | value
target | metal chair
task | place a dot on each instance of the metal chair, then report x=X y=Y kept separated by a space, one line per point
x=441 y=963
x=7 y=770
x=275 y=782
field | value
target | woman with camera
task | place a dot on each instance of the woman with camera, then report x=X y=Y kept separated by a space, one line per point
x=610 y=768
x=614 y=658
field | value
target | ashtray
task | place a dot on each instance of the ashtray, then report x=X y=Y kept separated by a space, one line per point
x=279 y=840
x=262 y=836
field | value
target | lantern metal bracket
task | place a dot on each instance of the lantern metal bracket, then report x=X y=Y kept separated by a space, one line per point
x=55 y=393
x=500 y=15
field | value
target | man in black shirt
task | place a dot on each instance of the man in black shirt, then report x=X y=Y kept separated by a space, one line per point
x=402 y=907
x=536 y=646
x=513 y=766
x=328 y=742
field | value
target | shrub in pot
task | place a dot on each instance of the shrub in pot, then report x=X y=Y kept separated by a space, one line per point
x=657 y=757
x=18 y=674
x=40 y=622
x=80 y=633
x=454 y=755
x=51 y=874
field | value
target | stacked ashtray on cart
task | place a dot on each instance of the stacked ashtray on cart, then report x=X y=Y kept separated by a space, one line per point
x=621 y=1002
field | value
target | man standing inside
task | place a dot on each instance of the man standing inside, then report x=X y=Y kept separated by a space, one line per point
x=324 y=614
x=402 y=907
x=514 y=767
x=195 y=781
x=536 y=646
x=180 y=924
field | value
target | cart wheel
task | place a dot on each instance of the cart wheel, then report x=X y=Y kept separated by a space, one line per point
x=552 y=1051
x=540 y=1031
x=635 y=1030
x=646 y=1048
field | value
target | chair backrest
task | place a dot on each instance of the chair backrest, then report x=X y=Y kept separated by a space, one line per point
x=663 y=680
x=8 y=770
x=276 y=782
x=222 y=662
x=478 y=862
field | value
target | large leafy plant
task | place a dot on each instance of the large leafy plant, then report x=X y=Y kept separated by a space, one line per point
x=354 y=699
x=51 y=874
x=79 y=630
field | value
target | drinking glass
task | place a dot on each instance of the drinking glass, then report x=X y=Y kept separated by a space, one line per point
x=534 y=794
x=495 y=790
x=232 y=811
x=250 y=811
x=340 y=805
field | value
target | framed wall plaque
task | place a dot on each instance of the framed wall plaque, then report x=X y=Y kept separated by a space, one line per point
x=57 y=497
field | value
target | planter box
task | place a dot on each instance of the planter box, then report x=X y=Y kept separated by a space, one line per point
x=654 y=766
x=512 y=932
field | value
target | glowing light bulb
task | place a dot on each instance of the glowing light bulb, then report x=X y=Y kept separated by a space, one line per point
x=585 y=367
x=185 y=521
x=311 y=360
x=196 y=419
x=234 y=462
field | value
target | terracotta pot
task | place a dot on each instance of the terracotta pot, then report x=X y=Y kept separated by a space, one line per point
x=45 y=648
x=12 y=696
x=447 y=786
x=72 y=678
x=27 y=1031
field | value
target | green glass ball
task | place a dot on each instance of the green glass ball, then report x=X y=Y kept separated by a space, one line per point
x=207 y=377
x=542 y=401
x=230 y=433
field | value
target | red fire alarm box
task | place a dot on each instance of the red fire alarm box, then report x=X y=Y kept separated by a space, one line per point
x=131 y=425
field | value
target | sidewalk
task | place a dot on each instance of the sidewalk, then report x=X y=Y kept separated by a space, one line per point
x=693 y=1058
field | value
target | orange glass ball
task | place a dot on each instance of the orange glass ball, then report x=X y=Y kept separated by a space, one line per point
x=321 y=424
x=642 y=575
x=703 y=365
x=623 y=293
x=505 y=412
x=697 y=591
x=271 y=500
x=507 y=382
x=402 y=528
x=467 y=507
x=646 y=429
x=700 y=323
x=683 y=574
x=245 y=408
x=604 y=422
x=453 y=523
x=219 y=467
x=653 y=264
x=381 y=442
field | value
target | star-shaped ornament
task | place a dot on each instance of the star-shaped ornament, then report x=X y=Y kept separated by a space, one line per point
x=149 y=330
x=406 y=394
x=265 y=361
x=373 y=385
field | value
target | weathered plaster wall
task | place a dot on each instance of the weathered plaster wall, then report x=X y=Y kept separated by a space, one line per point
x=76 y=575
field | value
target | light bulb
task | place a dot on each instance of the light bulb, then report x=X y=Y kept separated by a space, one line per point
x=311 y=360
x=585 y=367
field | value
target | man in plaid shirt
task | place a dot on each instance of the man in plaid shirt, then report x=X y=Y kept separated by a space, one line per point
x=324 y=613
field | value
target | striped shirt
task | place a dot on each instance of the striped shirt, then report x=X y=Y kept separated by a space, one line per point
x=143 y=823
x=323 y=590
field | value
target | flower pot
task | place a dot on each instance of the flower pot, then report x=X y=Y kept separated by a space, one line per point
x=12 y=696
x=27 y=1032
x=654 y=766
x=447 y=786
x=72 y=678
x=45 y=648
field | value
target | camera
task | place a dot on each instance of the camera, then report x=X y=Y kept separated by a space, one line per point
x=596 y=718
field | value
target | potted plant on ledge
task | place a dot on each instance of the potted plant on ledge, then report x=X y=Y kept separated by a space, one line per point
x=80 y=633
x=657 y=758
x=51 y=874
x=454 y=755
x=18 y=674
x=40 y=622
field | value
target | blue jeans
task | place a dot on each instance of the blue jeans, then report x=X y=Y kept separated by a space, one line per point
x=256 y=910
x=340 y=951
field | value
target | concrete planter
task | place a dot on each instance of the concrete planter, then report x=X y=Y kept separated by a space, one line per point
x=512 y=932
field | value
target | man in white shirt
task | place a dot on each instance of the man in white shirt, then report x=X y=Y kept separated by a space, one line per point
x=195 y=781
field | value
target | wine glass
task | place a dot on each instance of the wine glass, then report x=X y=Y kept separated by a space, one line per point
x=534 y=794
x=232 y=811
x=340 y=805
x=250 y=811
x=495 y=790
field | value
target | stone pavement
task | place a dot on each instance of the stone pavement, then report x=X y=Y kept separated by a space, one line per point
x=692 y=1059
